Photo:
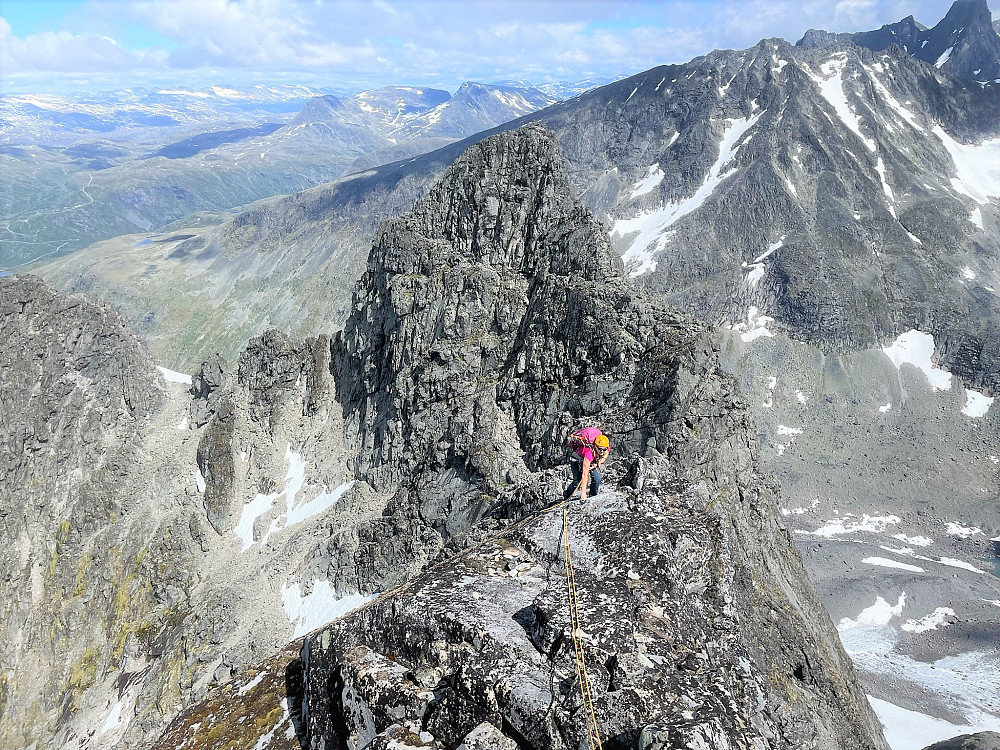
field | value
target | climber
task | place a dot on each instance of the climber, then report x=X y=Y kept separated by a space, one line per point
x=589 y=450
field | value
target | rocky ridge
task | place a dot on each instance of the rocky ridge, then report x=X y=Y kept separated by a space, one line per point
x=965 y=42
x=493 y=318
x=845 y=430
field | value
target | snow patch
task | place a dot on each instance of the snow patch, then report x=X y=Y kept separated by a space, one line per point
x=755 y=327
x=183 y=424
x=912 y=730
x=879 y=614
x=321 y=606
x=929 y=622
x=976 y=217
x=831 y=86
x=916 y=541
x=802 y=398
x=884 y=409
x=945 y=56
x=892 y=102
x=774 y=246
x=772 y=381
x=976 y=404
x=880 y=168
x=957 y=529
x=649 y=227
x=653 y=178
x=295 y=511
x=837 y=526
x=253 y=683
x=800 y=511
x=782 y=430
x=951 y=562
x=916 y=348
x=172 y=376
x=977 y=168
x=886 y=563
x=114 y=718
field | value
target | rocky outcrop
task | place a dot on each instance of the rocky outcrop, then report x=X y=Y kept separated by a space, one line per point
x=678 y=652
x=274 y=373
x=978 y=741
x=204 y=390
x=479 y=308
x=491 y=320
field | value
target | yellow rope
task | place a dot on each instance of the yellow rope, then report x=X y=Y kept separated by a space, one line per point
x=593 y=732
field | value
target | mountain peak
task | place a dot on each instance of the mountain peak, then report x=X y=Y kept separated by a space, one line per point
x=965 y=42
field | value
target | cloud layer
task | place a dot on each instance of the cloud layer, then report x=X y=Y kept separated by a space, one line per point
x=442 y=43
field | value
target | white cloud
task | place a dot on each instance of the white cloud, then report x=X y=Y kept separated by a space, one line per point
x=438 y=43
x=861 y=13
x=58 y=51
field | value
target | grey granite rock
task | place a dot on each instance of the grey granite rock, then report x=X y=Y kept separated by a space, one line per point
x=978 y=741
x=205 y=389
x=492 y=320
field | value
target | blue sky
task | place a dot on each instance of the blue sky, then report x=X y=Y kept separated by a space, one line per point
x=52 y=45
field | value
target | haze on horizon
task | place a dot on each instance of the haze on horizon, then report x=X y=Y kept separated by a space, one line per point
x=77 y=46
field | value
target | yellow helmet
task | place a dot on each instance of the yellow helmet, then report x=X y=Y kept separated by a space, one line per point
x=601 y=441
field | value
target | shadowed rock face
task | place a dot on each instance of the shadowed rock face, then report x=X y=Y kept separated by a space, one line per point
x=491 y=319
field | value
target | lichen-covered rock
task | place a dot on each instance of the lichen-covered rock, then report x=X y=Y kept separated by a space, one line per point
x=677 y=653
x=77 y=589
x=487 y=737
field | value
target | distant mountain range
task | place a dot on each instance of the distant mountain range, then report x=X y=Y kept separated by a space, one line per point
x=129 y=114
x=965 y=42
x=139 y=175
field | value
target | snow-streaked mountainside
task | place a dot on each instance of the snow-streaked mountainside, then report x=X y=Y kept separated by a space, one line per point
x=561 y=89
x=397 y=114
x=834 y=158
x=965 y=42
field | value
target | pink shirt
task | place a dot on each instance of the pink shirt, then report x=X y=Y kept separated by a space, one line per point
x=590 y=435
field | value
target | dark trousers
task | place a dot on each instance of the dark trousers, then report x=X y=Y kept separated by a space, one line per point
x=576 y=466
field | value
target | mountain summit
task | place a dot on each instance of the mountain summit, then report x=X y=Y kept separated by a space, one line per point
x=965 y=42
x=491 y=320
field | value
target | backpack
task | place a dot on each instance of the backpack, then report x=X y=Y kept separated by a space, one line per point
x=577 y=441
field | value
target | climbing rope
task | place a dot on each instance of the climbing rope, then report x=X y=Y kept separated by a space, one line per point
x=576 y=633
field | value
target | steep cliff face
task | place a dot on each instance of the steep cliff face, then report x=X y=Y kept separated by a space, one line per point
x=77 y=392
